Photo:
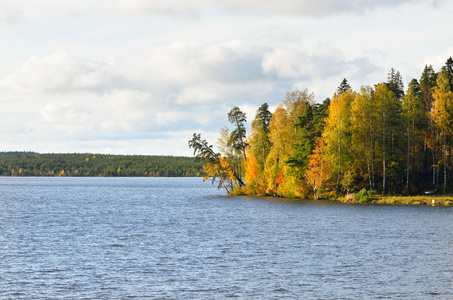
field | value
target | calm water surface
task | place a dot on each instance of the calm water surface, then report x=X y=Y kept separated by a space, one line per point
x=167 y=238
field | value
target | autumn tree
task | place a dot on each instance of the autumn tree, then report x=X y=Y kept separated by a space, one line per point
x=229 y=152
x=442 y=114
x=215 y=166
x=364 y=134
x=317 y=171
x=337 y=133
x=414 y=120
x=258 y=151
x=283 y=178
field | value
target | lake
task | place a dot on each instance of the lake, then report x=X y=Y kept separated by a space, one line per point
x=181 y=238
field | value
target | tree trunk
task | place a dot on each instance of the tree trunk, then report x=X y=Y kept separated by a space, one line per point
x=339 y=157
x=383 y=156
x=408 y=158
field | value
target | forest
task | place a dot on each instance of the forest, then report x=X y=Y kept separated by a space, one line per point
x=83 y=164
x=384 y=139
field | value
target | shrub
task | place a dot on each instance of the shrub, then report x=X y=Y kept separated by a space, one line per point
x=363 y=196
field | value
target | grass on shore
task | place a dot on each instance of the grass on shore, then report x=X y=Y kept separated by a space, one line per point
x=446 y=200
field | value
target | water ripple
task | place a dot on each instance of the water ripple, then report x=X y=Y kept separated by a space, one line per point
x=163 y=238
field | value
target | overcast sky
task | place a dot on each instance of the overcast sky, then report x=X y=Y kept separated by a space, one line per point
x=140 y=76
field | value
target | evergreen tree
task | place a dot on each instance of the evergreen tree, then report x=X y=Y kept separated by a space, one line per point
x=259 y=134
x=344 y=86
x=395 y=83
x=238 y=135
x=427 y=85
x=310 y=126
x=449 y=69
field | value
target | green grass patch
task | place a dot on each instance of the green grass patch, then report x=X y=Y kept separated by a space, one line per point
x=365 y=196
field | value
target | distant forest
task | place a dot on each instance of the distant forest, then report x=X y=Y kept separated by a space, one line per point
x=83 y=164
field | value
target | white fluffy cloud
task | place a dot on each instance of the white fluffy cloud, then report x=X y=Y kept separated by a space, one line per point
x=58 y=72
x=165 y=88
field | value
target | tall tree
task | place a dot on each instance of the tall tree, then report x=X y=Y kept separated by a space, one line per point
x=285 y=179
x=317 y=172
x=414 y=119
x=427 y=85
x=310 y=126
x=443 y=114
x=259 y=134
x=449 y=69
x=215 y=166
x=229 y=152
x=364 y=134
x=238 y=135
x=258 y=151
x=337 y=133
x=395 y=83
x=264 y=116
x=388 y=108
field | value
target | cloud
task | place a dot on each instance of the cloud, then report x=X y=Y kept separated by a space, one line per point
x=285 y=62
x=185 y=73
x=185 y=86
x=314 y=8
x=273 y=7
x=438 y=58
x=324 y=63
x=58 y=72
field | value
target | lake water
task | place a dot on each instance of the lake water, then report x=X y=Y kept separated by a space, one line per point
x=180 y=238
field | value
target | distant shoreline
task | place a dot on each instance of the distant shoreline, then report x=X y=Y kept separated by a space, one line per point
x=97 y=165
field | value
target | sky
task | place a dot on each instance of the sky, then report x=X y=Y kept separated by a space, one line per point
x=140 y=77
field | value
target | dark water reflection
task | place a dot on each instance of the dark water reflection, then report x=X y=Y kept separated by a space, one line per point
x=166 y=238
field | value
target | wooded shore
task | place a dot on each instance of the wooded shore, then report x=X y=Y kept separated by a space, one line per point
x=103 y=165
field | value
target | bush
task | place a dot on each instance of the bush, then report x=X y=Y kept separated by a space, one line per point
x=364 y=196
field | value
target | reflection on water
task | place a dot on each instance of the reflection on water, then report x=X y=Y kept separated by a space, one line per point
x=182 y=238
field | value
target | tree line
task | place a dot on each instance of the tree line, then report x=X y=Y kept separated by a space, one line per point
x=83 y=164
x=381 y=138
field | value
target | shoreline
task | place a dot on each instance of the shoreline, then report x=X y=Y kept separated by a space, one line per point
x=439 y=200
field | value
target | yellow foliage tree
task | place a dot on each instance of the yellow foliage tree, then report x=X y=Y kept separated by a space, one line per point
x=253 y=175
x=337 y=133
x=442 y=114
x=317 y=172
x=282 y=179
